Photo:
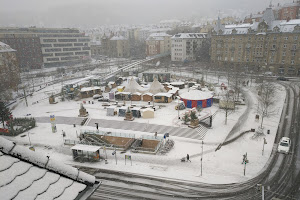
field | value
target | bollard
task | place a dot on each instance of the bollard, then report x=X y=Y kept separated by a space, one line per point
x=74 y=125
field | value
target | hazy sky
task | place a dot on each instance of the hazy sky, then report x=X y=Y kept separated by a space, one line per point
x=90 y=13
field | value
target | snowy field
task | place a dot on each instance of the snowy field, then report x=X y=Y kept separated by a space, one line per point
x=222 y=166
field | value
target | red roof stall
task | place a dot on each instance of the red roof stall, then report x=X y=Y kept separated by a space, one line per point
x=197 y=98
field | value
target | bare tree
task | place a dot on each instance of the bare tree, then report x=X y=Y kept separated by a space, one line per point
x=227 y=104
x=266 y=100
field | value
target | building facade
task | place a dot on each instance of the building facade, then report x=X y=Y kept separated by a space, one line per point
x=28 y=50
x=258 y=47
x=58 y=46
x=118 y=47
x=96 y=49
x=185 y=46
x=9 y=69
x=158 y=43
x=289 y=11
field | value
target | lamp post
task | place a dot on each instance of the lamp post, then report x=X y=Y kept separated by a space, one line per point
x=201 y=157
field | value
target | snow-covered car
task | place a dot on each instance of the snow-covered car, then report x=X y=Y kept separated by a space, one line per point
x=97 y=96
x=284 y=145
x=103 y=99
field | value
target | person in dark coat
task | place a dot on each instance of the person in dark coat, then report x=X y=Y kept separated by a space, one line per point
x=188 y=157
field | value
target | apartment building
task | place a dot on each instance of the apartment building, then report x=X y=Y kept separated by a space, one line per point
x=158 y=43
x=269 y=45
x=185 y=46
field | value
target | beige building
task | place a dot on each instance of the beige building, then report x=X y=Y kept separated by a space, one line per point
x=158 y=43
x=185 y=46
x=258 y=47
x=119 y=47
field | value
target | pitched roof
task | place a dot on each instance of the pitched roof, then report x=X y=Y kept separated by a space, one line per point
x=25 y=174
x=133 y=87
x=5 y=48
x=156 y=87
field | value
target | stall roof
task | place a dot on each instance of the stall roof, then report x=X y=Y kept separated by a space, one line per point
x=85 y=89
x=135 y=108
x=83 y=147
x=163 y=94
x=149 y=94
x=123 y=108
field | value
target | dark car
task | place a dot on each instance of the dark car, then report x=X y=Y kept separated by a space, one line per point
x=281 y=78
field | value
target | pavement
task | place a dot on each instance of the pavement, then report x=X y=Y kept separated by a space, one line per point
x=130 y=125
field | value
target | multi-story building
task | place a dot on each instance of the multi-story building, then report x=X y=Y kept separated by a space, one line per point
x=28 y=49
x=185 y=46
x=158 y=43
x=58 y=46
x=119 y=47
x=289 y=11
x=9 y=70
x=96 y=49
x=269 y=45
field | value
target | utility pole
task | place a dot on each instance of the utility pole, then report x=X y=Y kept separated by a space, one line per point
x=201 y=157
x=265 y=142
x=263 y=192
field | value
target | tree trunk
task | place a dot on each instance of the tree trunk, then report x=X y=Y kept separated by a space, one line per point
x=262 y=120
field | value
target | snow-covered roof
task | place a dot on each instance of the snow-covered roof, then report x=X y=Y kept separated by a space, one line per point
x=137 y=93
x=156 y=87
x=5 y=48
x=148 y=93
x=85 y=89
x=118 y=38
x=133 y=87
x=163 y=94
x=25 y=174
x=196 y=95
x=177 y=83
x=162 y=34
x=189 y=35
x=83 y=147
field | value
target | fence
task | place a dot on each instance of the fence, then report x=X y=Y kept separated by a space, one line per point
x=108 y=133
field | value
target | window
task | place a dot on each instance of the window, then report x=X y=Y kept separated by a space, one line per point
x=283 y=53
x=286 y=38
x=282 y=62
x=292 y=62
x=284 y=45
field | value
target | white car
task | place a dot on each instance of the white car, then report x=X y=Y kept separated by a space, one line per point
x=284 y=145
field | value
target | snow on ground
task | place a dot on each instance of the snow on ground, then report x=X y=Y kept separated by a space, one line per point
x=222 y=166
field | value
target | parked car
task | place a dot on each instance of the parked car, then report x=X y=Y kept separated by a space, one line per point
x=103 y=99
x=281 y=78
x=97 y=96
x=284 y=145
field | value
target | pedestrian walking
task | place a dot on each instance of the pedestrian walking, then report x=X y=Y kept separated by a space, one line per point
x=188 y=157
x=155 y=135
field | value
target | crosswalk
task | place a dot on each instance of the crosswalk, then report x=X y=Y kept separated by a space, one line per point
x=198 y=133
x=145 y=127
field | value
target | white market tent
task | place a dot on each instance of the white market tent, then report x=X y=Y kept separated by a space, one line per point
x=156 y=87
x=133 y=87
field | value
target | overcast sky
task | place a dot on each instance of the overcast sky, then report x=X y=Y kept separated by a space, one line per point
x=93 y=13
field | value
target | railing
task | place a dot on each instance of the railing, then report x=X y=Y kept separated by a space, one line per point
x=108 y=133
x=70 y=142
